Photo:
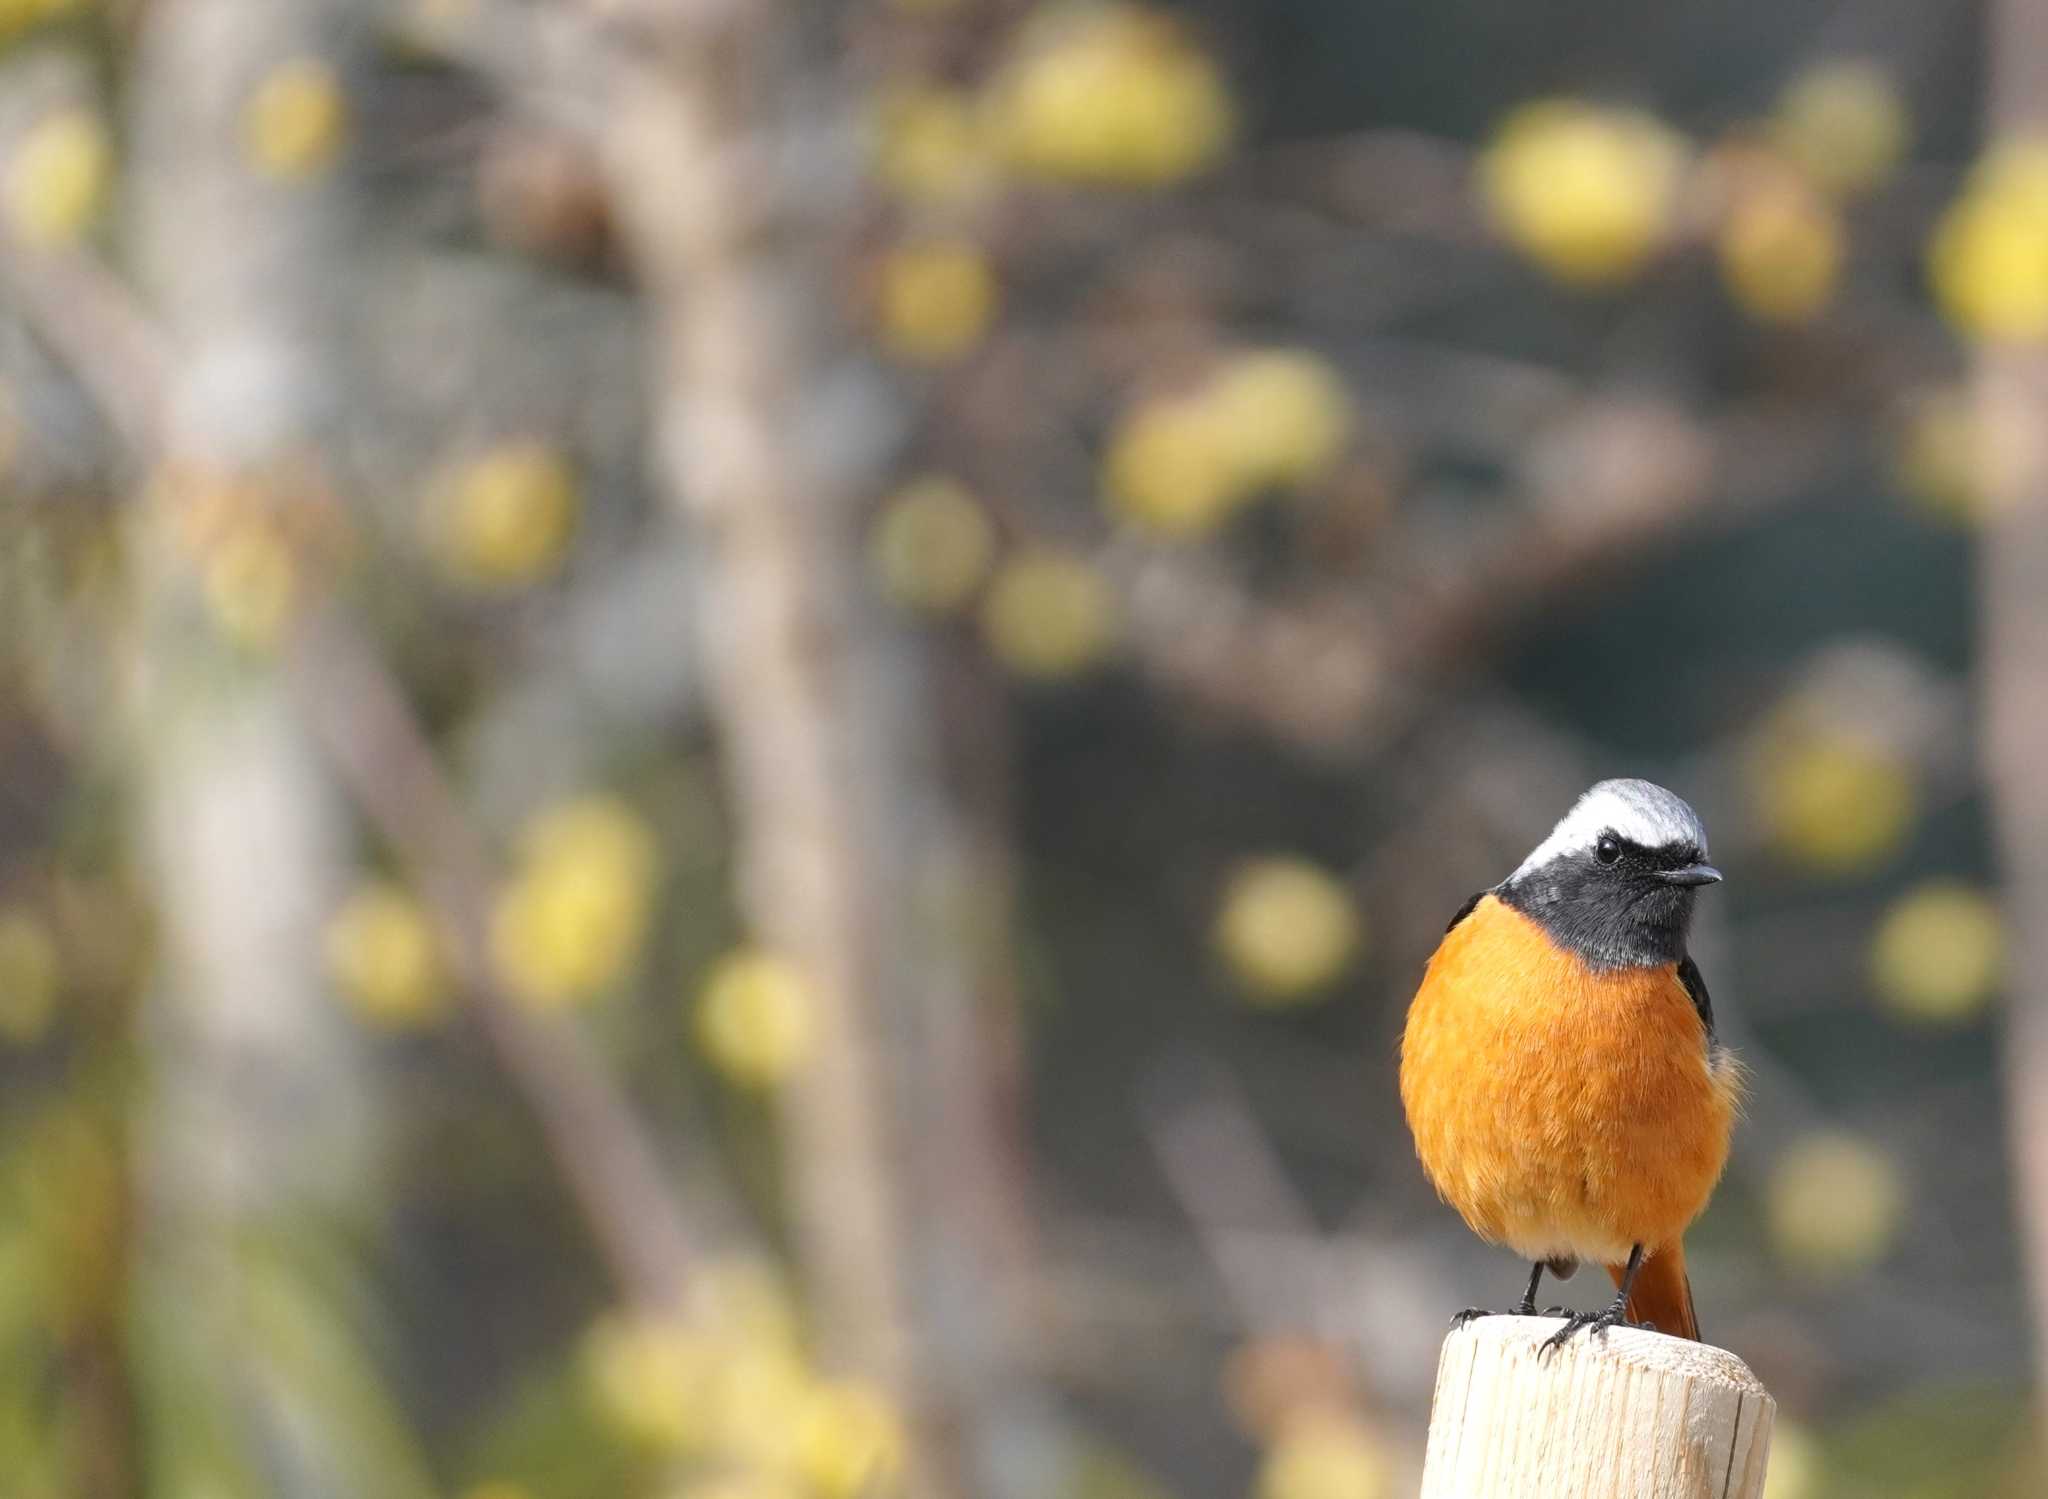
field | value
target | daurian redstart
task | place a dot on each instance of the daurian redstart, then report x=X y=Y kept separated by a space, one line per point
x=1559 y=1068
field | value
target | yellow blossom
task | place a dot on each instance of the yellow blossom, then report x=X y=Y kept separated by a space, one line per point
x=1586 y=192
x=31 y=975
x=251 y=583
x=1943 y=460
x=1287 y=929
x=1844 y=124
x=1939 y=953
x=850 y=1441
x=1179 y=465
x=1111 y=95
x=936 y=299
x=755 y=1405
x=1835 y=1203
x=18 y=16
x=1048 y=615
x=1831 y=801
x=506 y=516
x=1989 y=257
x=296 y=122
x=573 y=918
x=652 y=1379
x=1284 y=416
x=756 y=1017
x=930 y=145
x=385 y=959
x=58 y=177
x=595 y=829
x=931 y=546
x=1781 y=253
x=1989 y=263
x=1325 y=1455
x=2016 y=167
x=1166 y=469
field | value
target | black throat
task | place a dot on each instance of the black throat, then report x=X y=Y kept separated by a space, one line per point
x=1618 y=917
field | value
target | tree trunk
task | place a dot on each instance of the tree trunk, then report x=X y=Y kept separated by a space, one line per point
x=857 y=860
x=2012 y=406
x=258 y=1100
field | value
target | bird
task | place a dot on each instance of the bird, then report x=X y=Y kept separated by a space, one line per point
x=1559 y=1067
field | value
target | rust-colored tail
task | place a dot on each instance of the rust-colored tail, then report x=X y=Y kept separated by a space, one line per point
x=1662 y=1294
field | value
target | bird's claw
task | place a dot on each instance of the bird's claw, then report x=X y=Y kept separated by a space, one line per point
x=1527 y=1309
x=1595 y=1323
x=1573 y=1323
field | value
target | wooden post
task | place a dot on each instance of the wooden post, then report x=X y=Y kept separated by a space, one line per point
x=1632 y=1415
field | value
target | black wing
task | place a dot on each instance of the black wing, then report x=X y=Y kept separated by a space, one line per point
x=1466 y=910
x=1696 y=987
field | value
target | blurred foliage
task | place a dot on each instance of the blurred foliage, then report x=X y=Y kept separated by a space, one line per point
x=295 y=124
x=385 y=958
x=1939 y=953
x=1048 y=615
x=573 y=917
x=1587 y=192
x=1844 y=124
x=754 y=1019
x=1308 y=442
x=57 y=177
x=1109 y=95
x=1286 y=928
x=936 y=299
x=1261 y=423
x=1836 y=1203
x=932 y=546
x=1933 y=1443
x=506 y=515
x=1985 y=257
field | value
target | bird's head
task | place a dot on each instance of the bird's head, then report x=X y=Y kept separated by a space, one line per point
x=1615 y=880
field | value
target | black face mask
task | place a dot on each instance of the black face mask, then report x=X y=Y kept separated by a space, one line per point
x=1617 y=905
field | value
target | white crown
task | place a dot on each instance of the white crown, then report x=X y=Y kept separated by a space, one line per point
x=1637 y=811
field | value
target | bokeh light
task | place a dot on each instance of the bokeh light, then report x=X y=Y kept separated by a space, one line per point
x=1587 y=192
x=1287 y=929
x=730 y=734
x=1939 y=953
x=1836 y=1203
x=58 y=177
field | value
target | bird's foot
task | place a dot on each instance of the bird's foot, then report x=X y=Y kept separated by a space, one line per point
x=1594 y=1323
x=1523 y=1308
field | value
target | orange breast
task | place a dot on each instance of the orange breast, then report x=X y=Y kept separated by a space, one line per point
x=1562 y=1110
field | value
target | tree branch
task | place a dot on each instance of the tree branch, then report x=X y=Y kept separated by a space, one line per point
x=371 y=735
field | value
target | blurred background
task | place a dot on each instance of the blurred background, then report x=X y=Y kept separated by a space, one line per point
x=729 y=730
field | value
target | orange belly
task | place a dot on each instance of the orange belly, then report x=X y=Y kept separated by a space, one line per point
x=1562 y=1110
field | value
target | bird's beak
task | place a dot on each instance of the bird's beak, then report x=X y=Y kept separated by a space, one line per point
x=1691 y=874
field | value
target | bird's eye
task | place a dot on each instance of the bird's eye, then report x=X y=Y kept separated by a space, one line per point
x=1608 y=849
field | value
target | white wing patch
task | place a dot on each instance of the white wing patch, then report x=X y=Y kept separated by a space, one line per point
x=1637 y=811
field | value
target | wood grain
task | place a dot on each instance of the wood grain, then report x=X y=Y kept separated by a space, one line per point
x=1631 y=1415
